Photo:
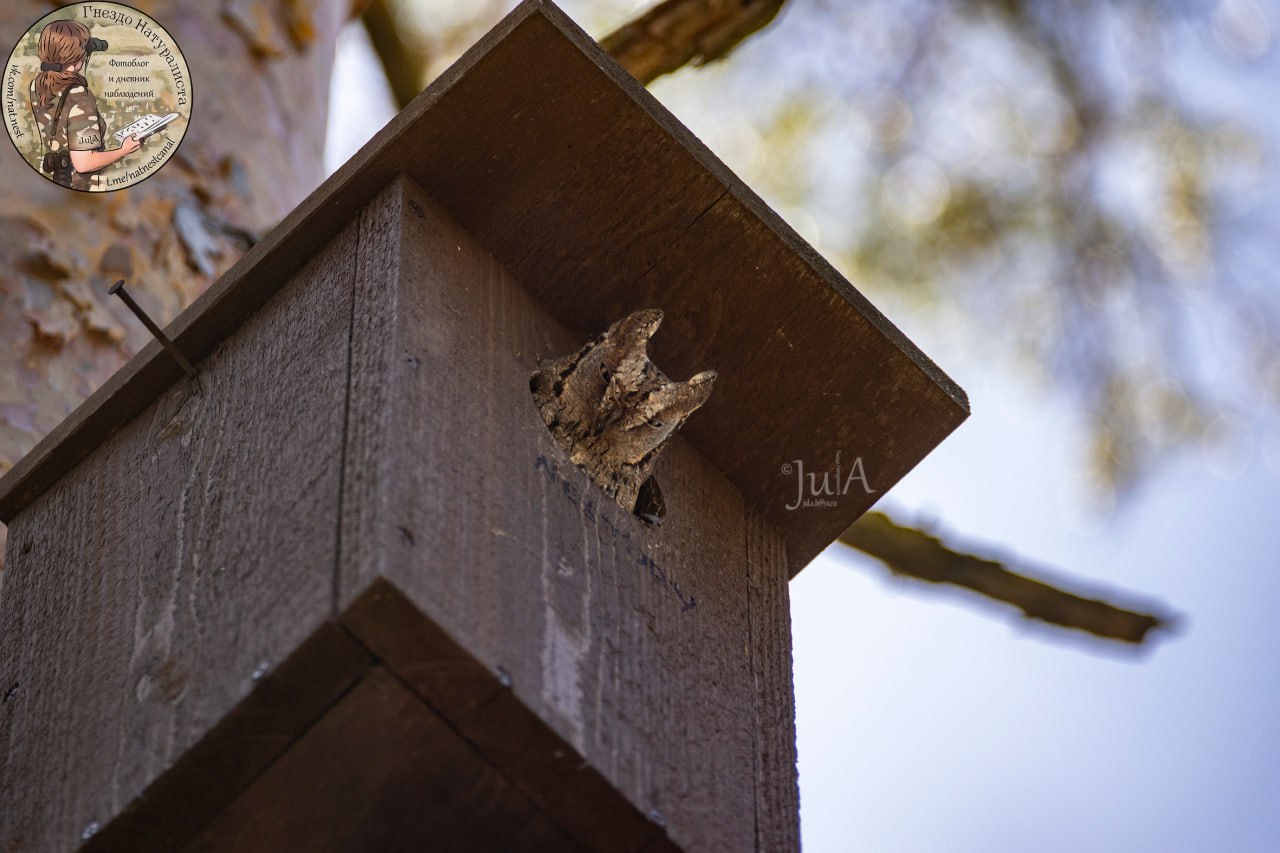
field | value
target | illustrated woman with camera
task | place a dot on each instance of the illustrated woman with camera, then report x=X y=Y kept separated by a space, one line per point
x=66 y=111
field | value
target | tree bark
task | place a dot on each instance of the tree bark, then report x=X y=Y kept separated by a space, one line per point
x=254 y=149
x=676 y=33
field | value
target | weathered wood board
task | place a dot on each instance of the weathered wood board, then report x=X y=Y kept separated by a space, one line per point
x=381 y=733
x=639 y=645
x=661 y=654
x=480 y=706
x=381 y=772
x=283 y=705
x=143 y=590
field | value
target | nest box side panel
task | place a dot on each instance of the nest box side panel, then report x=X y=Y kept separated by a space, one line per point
x=768 y=593
x=381 y=772
x=471 y=698
x=658 y=653
x=190 y=550
x=288 y=701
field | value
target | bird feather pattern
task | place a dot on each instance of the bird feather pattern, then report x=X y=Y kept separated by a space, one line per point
x=611 y=408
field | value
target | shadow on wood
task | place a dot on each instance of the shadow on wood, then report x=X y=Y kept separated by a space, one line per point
x=381 y=733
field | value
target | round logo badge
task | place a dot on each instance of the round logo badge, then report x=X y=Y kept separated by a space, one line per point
x=96 y=96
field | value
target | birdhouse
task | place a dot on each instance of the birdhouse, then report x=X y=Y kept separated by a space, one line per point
x=474 y=528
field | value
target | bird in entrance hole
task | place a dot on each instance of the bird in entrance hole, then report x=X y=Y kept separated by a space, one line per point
x=613 y=410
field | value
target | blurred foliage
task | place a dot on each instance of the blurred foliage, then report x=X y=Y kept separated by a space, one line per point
x=1074 y=180
x=1045 y=165
x=1057 y=175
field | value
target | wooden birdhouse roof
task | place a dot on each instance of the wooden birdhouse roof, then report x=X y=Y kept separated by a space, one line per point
x=600 y=202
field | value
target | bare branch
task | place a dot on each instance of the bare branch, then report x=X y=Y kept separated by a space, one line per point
x=403 y=67
x=913 y=553
x=678 y=32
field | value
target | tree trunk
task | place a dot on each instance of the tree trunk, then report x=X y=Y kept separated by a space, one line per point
x=253 y=150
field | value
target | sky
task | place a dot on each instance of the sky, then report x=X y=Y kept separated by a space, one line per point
x=930 y=721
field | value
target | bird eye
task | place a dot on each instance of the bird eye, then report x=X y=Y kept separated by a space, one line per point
x=655 y=423
x=604 y=372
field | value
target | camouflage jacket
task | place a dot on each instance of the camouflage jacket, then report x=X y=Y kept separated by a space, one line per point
x=79 y=128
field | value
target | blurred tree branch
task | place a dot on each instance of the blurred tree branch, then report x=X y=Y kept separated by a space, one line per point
x=913 y=553
x=669 y=36
x=675 y=33
x=404 y=67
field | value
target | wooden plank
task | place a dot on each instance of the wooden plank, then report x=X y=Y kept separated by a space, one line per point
x=285 y=703
x=630 y=641
x=381 y=772
x=868 y=403
x=776 y=783
x=196 y=545
x=594 y=197
x=484 y=712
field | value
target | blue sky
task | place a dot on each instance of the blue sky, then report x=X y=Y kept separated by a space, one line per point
x=928 y=721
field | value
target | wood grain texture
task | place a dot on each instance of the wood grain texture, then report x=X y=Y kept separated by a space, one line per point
x=596 y=198
x=475 y=703
x=777 y=784
x=381 y=772
x=632 y=642
x=194 y=546
x=284 y=704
